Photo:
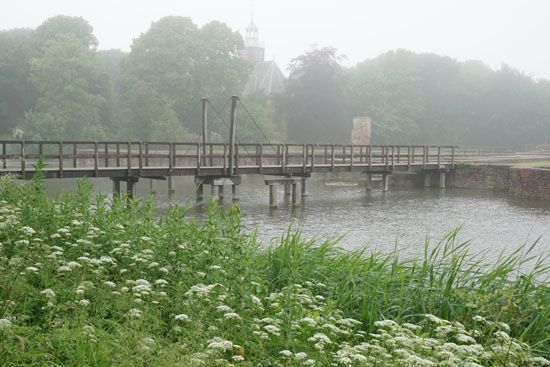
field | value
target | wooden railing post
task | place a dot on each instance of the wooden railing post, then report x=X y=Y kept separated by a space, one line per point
x=174 y=155
x=75 y=151
x=4 y=163
x=146 y=154
x=60 y=159
x=129 y=158
x=225 y=159
x=369 y=158
x=304 y=158
x=424 y=160
x=284 y=151
x=96 y=154
x=211 y=159
x=106 y=158
x=236 y=169
x=332 y=158
x=438 y=155
x=452 y=156
x=199 y=158
x=351 y=156
x=117 y=155
x=408 y=158
x=312 y=157
x=170 y=157
x=260 y=157
x=387 y=157
x=140 y=157
x=22 y=158
x=326 y=154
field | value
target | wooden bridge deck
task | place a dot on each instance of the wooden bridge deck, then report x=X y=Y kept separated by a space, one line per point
x=75 y=159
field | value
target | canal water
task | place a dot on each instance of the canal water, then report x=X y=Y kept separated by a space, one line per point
x=402 y=219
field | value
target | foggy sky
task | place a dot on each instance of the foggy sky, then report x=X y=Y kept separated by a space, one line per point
x=514 y=32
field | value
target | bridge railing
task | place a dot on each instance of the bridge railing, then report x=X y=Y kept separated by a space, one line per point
x=20 y=156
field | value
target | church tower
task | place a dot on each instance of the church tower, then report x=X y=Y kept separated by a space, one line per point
x=254 y=50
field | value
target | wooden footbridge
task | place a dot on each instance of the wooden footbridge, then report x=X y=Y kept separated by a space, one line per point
x=221 y=164
x=213 y=163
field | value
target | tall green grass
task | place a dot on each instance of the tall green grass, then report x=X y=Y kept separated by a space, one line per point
x=89 y=281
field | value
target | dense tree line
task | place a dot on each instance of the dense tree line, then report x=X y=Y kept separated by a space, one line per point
x=56 y=84
x=415 y=99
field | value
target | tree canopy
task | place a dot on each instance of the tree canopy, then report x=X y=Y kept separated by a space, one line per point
x=56 y=84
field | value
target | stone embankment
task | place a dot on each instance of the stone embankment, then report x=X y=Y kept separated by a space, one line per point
x=529 y=182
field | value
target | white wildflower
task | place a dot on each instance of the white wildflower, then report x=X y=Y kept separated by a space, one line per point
x=286 y=353
x=181 y=317
x=48 y=292
x=231 y=316
x=5 y=324
x=134 y=312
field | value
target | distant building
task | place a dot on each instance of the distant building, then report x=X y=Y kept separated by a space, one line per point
x=266 y=75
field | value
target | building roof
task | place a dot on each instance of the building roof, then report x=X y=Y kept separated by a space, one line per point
x=266 y=76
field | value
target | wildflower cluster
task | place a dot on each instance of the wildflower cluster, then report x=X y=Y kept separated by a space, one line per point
x=85 y=283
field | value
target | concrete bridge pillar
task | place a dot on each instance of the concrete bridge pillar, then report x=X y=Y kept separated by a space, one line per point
x=294 y=194
x=427 y=179
x=116 y=187
x=442 y=179
x=170 y=186
x=213 y=191
x=273 y=196
x=304 y=192
x=235 y=192
x=152 y=187
x=385 y=182
x=199 y=191
x=220 y=192
x=287 y=189
x=130 y=187
x=368 y=182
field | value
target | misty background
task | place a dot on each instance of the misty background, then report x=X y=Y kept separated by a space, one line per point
x=468 y=73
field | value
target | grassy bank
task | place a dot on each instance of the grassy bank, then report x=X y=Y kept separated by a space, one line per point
x=87 y=282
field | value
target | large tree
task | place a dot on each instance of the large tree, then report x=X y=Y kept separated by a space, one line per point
x=67 y=77
x=315 y=101
x=171 y=67
x=69 y=80
x=430 y=99
x=16 y=93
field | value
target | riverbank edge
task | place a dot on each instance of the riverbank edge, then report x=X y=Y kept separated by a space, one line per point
x=520 y=181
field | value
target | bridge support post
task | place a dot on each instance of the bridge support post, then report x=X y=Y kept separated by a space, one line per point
x=294 y=194
x=427 y=179
x=368 y=182
x=273 y=196
x=116 y=187
x=287 y=189
x=152 y=187
x=304 y=192
x=385 y=182
x=130 y=187
x=213 y=191
x=199 y=190
x=235 y=192
x=220 y=192
x=170 y=186
x=442 y=179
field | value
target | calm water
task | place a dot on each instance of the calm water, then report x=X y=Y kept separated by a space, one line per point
x=493 y=221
